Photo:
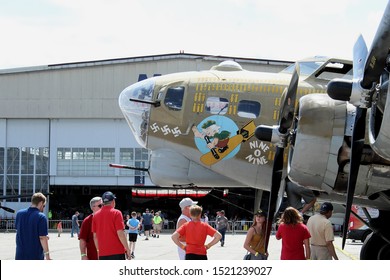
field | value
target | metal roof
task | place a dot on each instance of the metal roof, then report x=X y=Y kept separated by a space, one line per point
x=180 y=55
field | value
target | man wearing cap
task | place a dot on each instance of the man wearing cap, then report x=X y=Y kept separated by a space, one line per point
x=109 y=231
x=185 y=205
x=322 y=236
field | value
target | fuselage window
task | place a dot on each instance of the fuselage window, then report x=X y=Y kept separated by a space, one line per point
x=174 y=98
x=248 y=109
x=217 y=105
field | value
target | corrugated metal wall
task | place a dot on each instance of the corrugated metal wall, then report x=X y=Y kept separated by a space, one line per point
x=91 y=90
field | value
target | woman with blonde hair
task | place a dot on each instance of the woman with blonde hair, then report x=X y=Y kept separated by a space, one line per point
x=255 y=237
x=295 y=236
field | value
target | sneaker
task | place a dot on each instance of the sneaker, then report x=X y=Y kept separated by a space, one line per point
x=146 y=238
x=132 y=256
x=222 y=243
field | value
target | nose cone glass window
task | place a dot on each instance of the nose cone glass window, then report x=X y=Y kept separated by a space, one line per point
x=135 y=111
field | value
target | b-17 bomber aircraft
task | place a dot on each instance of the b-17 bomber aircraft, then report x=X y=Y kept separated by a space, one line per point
x=322 y=122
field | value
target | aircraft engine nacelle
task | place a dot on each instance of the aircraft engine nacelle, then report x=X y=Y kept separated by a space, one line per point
x=320 y=129
x=379 y=128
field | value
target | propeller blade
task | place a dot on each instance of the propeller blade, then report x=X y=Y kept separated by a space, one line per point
x=286 y=118
x=7 y=209
x=275 y=186
x=287 y=111
x=341 y=89
x=359 y=57
x=356 y=154
x=376 y=59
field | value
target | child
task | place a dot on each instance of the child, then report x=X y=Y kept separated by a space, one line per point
x=59 y=228
x=133 y=225
x=195 y=233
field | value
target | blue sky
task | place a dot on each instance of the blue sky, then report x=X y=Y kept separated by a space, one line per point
x=42 y=32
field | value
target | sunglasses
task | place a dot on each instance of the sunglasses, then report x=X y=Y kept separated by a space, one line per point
x=100 y=205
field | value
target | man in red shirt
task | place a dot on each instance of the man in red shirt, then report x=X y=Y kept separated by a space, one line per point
x=109 y=231
x=87 y=245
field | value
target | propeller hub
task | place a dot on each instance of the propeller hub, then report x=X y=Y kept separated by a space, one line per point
x=340 y=89
x=269 y=134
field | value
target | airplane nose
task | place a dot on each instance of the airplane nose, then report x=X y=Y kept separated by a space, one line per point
x=136 y=111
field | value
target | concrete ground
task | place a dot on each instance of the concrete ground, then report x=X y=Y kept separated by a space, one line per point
x=163 y=248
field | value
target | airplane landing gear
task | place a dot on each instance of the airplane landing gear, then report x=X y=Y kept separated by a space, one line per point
x=375 y=247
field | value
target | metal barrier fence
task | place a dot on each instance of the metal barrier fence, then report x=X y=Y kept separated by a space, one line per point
x=235 y=227
x=7 y=225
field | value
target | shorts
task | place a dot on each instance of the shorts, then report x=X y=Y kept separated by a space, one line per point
x=320 y=253
x=133 y=237
x=147 y=227
x=195 y=257
x=157 y=227
x=113 y=257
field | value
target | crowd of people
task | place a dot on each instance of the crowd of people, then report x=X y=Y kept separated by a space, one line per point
x=105 y=235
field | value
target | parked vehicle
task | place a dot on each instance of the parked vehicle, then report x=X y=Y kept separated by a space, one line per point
x=357 y=230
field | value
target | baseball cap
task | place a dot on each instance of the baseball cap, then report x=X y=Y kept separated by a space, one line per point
x=326 y=207
x=108 y=196
x=260 y=213
x=187 y=202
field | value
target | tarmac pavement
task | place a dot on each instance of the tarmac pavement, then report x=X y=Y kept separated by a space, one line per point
x=163 y=248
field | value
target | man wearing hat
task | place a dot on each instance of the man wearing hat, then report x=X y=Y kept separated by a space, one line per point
x=185 y=205
x=108 y=231
x=322 y=236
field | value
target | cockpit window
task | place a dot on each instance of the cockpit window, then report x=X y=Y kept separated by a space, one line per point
x=174 y=98
x=306 y=67
x=325 y=70
x=217 y=105
x=248 y=109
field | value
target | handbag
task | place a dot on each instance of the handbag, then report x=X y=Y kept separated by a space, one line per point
x=249 y=256
x=259 y=256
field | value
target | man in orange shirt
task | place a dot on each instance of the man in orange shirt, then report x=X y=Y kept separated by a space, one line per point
x=195 y=233
x=109 y=231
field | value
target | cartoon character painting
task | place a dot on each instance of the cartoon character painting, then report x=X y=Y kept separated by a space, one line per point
x=213 y=138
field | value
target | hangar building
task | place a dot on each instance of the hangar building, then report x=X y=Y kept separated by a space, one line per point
x=60 y=126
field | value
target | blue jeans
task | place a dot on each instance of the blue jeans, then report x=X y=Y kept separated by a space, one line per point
x=75 y=229
x=222 y=231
